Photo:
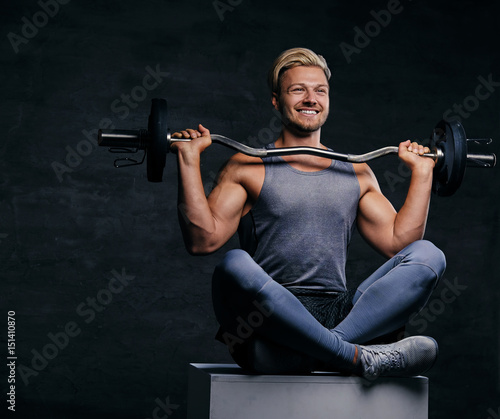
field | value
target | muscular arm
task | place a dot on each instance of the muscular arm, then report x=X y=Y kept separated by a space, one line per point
x=206 y=223
x=385 y=229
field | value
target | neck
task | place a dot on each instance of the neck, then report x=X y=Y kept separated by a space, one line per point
x=288 y=138
x=303 y=162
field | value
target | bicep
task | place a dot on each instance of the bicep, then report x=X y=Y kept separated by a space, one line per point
x=226 y=202
x=376 y=215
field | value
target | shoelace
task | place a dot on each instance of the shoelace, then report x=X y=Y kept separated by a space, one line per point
x=377 y=360
x=389 y=360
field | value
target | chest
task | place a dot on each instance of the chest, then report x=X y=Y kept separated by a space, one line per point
x=279 y=190
x=255 y=175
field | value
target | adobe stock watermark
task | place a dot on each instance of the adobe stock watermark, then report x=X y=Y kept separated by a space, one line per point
x=246 y=327
x=482 y=92
x=121 y=107
x=363 y=36
x=223 y=6
x=269 y=133
x=164 y=407
x=59 y=341
x=436 y=306
x=393 y=179
x=492 y=414
x=31 y=27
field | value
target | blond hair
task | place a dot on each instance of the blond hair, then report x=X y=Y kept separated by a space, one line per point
x=293 y=58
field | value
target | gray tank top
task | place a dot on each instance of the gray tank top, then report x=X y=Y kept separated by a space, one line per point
x=299 y=229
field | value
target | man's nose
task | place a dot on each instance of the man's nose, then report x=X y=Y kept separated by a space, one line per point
x=310 y=97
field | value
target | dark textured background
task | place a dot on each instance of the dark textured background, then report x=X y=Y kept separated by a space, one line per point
x=69 y=219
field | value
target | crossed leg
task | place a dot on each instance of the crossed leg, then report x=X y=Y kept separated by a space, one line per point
x=267 y=329
x=242 y=290
x=399 y=288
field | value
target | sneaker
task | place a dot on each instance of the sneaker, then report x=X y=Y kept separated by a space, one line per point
x=408 y=357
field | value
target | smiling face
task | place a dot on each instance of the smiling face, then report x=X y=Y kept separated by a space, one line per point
x=304 y=100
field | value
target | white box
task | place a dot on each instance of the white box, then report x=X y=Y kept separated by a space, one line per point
x=223 y=391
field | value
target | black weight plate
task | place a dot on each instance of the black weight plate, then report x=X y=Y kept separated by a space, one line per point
x=158 y=131
x=450 y=170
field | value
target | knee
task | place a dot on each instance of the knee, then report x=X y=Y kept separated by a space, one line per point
x=231 y=264
x=235 y=270
x=426 y=253
x=432 y=256
x=230 y=260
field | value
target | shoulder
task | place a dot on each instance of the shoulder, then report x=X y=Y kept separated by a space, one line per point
x=241 y=165
x=245 y=170
x=243 y=159
x=366 y=178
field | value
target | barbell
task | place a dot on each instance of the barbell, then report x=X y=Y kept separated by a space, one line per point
x=448 y=144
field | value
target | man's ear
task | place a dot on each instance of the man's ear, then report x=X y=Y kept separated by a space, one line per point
x=275 y=101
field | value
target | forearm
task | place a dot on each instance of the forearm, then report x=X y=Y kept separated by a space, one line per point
x=195 y=217
x=411 y=220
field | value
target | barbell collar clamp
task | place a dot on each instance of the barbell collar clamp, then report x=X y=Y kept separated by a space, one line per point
x=481 y=160
x=480 y=141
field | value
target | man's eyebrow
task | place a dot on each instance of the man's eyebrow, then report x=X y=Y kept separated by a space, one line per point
x=305 y=84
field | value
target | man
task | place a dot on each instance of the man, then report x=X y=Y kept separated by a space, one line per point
x=282 y=301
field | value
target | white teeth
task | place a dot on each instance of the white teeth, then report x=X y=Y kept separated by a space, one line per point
x=308 y=112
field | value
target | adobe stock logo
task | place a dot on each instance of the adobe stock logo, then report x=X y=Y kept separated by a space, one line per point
x=483 y=91
x=31 y=27
x=363 y=36
x=246 y=328
x=494 y=415
x=165 y=407
x=222 y=7
x=58 y=341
